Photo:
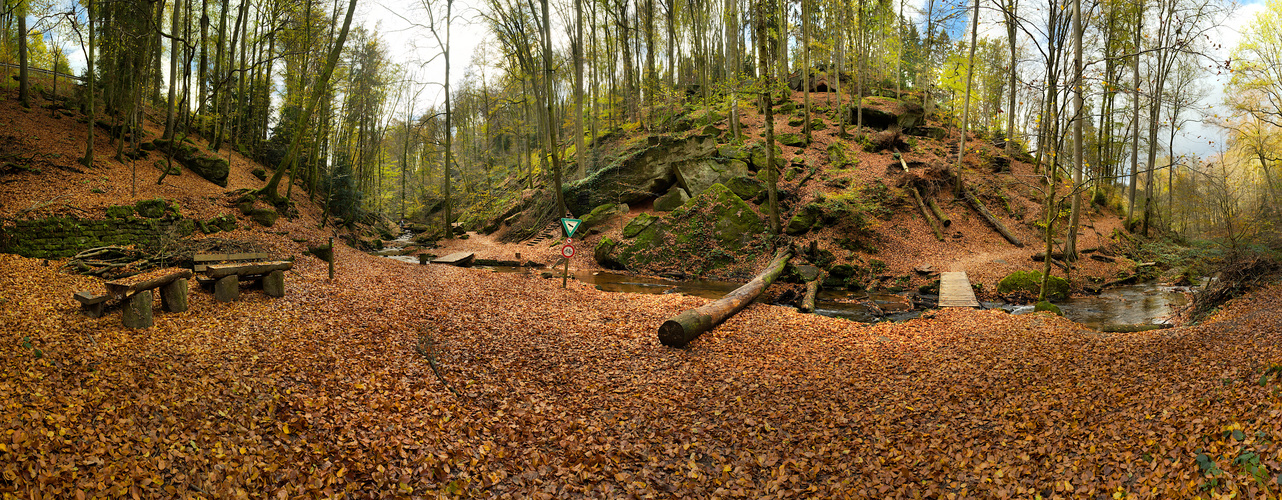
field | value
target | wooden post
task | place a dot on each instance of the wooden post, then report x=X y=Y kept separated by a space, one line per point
x=687 y=326
x=331 y=258
x=173 y=297
x=137 y=312
x=227 y=289
x=274 y=284
x=565 y=275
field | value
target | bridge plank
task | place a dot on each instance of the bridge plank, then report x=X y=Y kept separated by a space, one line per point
x=955 y=290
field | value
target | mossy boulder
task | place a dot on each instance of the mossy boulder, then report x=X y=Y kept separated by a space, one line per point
x=671 y=200
x=639 y=175
x=263 y=216
x=600 y=216
x=604 y=254
x=638 y=224
x=212 y=168
x=120 y=211
x=698 y=175
x=1047 y=306
x=757 y=157
x=746 y=187
x=1030 y=282
x=803 y=220
x=885 y=112
x=259 y=173
x=225 y=222
x=152 y=209
x=792 y=140
x=715 y=231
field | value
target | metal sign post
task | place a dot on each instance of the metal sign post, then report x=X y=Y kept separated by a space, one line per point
x=567 y=251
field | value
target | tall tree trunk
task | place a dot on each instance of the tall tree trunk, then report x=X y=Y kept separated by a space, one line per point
x=24 y=84
x=553 y=149
x=580 y=148
x=1135 y=118
x=970 y=81
x=1010 y=99
x=805 y=69
x=173 y=72
x=92 y=96
x=1070 y=250
x=764 y=7
x=291 y=156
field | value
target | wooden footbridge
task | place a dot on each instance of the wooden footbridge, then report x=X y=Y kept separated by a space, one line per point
x=955 y=290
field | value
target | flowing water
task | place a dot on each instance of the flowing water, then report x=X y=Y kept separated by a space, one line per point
x=1124 y=305
x=1143 y=303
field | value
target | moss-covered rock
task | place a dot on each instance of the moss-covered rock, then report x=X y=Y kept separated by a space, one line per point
x=1047 y=306
x=264 y=217
x=120 y=211
x=792 y=140
x=746 y=187
x=695 y=176
x=803 y=220
x=226 y=222
x=671 y=200
x=604 y=254
x=1031 y=282
x=712 y=232
x=639 y=175
x=757 y=157
x=884 y=112
x=600 y=216
x=638 y=224
x=259 y=173
x=152 y=209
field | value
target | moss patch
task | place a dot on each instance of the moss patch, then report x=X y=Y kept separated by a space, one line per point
x=1031 y=282
x=715 y=232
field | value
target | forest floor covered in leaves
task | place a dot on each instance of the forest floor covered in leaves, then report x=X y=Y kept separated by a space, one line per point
x=568 y=393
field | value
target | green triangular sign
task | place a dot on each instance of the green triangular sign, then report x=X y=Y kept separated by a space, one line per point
x=569 y=225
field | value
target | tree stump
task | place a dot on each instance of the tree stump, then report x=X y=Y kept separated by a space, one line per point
x=227 y=289
x=274 y=284
x=138 y=310
x=173 y=297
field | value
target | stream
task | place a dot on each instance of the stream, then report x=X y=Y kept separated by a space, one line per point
x=1143 y=303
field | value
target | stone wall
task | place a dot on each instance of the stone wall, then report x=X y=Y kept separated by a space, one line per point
x=148 y=223
x=59 y=237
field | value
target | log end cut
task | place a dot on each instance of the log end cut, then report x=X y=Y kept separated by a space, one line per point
x=684 y=328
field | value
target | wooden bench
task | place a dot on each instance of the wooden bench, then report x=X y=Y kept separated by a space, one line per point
x=135 y=292
x=226 y=276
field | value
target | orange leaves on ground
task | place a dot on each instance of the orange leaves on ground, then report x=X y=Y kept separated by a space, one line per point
x=567 y=393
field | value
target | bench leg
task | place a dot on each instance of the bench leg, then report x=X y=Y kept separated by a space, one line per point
x=137 y=311
x=274 y=284
x=227 y=289
x=93 y=310
x=173 y=297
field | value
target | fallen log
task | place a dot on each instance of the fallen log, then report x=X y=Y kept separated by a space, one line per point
x=925 y=214
x=992 y=220
x=939 y=212
x=687 y=326
x=1133 y=328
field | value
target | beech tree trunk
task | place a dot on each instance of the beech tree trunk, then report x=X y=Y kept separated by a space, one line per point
x=319 y=89
x=687 y=326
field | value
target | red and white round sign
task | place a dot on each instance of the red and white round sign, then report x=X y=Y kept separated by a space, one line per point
x=567 y=251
